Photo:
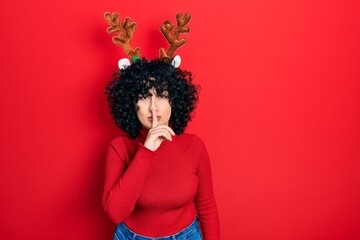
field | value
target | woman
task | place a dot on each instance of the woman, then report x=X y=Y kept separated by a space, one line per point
x=158 y=181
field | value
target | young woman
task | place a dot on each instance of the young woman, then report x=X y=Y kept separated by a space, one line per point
x=158 y=182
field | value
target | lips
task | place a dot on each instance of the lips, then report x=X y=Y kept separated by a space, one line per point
x=151 y=118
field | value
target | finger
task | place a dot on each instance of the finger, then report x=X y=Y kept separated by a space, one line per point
x=167 y=129
x=171 y=131
x=162 y=133
x=154 y=118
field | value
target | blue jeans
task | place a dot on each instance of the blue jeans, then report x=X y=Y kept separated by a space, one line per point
x=191 y=232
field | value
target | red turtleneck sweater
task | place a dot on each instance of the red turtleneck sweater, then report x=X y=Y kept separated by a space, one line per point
x=160 y=193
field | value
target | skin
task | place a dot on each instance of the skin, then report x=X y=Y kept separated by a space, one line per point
x=154 y=113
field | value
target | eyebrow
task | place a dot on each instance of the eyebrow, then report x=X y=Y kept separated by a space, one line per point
x=163 y=93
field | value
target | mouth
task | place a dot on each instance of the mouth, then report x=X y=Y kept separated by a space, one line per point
x=151 y=118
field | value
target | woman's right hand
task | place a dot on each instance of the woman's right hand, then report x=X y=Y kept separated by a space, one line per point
x=157 y=134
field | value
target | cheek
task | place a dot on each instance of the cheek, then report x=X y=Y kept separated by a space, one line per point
x=140 y=106
x=168 y=109
x=138 y=111
x=141 y=110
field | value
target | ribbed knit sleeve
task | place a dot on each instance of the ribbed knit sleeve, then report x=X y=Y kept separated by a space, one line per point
x=123 y=183
x=204 y=199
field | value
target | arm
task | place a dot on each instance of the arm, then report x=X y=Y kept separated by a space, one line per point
x=123 y=184
x=205 y=199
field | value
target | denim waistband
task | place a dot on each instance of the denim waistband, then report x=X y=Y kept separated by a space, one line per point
x=124 y=231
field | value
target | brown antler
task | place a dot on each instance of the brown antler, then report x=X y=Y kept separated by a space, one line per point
x=125 y=32
x=173 y=38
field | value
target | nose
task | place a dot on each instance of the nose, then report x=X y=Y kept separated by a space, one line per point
x=153 y=103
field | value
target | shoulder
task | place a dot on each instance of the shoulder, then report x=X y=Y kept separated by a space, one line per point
x=122 y=140
x=118 y=141
x=191 y=139
x=123 y=144
x=187 y=136
x=191 y=136
x=194 y=146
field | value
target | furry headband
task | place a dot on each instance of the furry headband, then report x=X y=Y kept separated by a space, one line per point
x=125 y=32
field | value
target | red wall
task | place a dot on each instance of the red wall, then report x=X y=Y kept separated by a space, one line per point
x=279 y=113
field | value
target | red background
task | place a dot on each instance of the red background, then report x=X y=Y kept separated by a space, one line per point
x=279 y=113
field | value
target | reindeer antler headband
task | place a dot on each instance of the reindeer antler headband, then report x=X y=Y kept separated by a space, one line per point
x=126 y=29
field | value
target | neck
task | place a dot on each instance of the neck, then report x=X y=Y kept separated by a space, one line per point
x=142 y=134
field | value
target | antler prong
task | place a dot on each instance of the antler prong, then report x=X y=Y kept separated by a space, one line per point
x=173 y=36
x=125 y=31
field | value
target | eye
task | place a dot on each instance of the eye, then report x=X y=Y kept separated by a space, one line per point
x=143 y=97
x=163 y=96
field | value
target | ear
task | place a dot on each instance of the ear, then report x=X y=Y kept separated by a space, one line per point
x=176 y=61
x=123 y=63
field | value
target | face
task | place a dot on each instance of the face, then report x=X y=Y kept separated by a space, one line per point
x=157 y=102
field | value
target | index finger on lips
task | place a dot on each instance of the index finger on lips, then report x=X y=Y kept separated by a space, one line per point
x=154 y=118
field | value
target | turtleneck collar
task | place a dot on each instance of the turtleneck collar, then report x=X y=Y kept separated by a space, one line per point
x=143 y=134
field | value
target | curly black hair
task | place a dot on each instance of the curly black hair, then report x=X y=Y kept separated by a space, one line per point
x=137 y=79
